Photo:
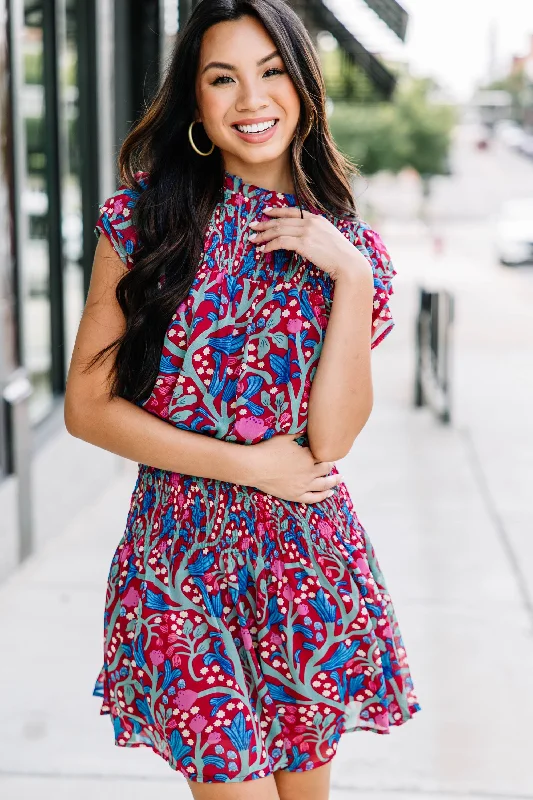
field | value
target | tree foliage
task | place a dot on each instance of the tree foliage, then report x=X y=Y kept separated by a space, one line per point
x=411 y=131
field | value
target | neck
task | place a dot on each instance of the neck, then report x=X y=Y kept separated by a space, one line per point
x=274 y=176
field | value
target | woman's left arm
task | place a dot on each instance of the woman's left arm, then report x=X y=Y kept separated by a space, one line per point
x=341 y=394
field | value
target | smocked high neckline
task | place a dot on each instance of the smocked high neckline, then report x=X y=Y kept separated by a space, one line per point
x=236 y=185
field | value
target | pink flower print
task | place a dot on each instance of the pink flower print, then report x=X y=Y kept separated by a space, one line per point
x=294 y=325
x=220 y=277
x=249 y=427
x=362 y=565
x=185 y=699
x=198 y=723
x=387 y=631
x=303 y=609
x=176 y=660
x=131 y=598
x=245 y=543
x=285 y=418
x=288 y=593
x=181 y=499
x=277 y=568
x=275 y=638
x=325 y=529
x=181 y=308
x=156 y=657
x=304 y=747
x=246 y=638
x=126 y=552
x=382 y=720
x=209 y=577
x=214 y=737
x=159 y=641
x=287 y=744
x=172 y=723
x=118 y=205
x=239 y=199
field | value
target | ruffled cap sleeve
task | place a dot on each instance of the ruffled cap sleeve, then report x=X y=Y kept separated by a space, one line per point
x=115 y=220
x=370 y=244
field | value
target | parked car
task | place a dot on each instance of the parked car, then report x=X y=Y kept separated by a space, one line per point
x=514 y=232
x=510 y=133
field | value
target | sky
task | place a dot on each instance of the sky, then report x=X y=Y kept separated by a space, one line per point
x=448 y=39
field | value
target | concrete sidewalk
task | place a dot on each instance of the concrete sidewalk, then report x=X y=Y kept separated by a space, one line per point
x=447 y=510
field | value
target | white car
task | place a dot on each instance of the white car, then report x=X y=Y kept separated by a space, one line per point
x=514 y=232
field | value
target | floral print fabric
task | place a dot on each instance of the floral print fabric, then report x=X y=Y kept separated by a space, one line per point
x=244 y=633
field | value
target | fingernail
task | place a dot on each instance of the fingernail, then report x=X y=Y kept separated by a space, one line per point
x=253 y=236
x=330 y=492
x=255 y=222
x=261 y=248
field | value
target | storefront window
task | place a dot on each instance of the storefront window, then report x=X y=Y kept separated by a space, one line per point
x=34 y=274
x=71 y=208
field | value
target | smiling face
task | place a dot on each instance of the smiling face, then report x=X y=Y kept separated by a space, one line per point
x=247 y=101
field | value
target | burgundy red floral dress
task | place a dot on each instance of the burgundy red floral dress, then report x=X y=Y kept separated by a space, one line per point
x=244 y=633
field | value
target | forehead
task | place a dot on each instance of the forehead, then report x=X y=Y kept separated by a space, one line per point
x=236 y=42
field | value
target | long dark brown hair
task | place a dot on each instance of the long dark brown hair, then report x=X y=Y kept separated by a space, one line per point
x=172 y=212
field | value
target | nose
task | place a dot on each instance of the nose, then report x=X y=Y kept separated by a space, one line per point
x=251 y=97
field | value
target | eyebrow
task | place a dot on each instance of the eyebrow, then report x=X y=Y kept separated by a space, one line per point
x=222 y=65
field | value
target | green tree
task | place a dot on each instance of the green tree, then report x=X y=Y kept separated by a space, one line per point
x=409 y=131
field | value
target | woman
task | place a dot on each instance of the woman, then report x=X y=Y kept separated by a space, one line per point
x=247 y=624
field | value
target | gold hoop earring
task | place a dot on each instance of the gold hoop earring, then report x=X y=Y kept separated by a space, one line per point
x=193 y=144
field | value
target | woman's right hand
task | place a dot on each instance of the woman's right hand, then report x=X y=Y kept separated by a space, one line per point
x=283 y=468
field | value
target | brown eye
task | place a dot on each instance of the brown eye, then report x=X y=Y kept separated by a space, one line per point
x=275 y=70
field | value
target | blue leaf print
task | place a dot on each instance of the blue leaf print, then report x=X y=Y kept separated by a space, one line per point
x=138 y=651
x=144 y=709
x=274 y=615
x=155 y=600
x=303 y=629
x=170 y=674
x=218 y=702
x=233 y=286
x=117 y=725
x=243 y=576
x=126 y=649
x=297 y=758
x=132 y=572
x=178 y=746
x=281 y=366
x=214 y=298
x=256 y=410
x=309 y=646
x=278 y=693
x=254 y=384
x=237 y=732
x=376 y=610
x=342 y=654
x=230 y=230
x=202 y=564
x=323 y=607
x=216 y=760
x=230 y=391
x=166 y=365
x=219 y=659
x=227 y=344
x=305 y=306
x=355 y=683
x=221 y=777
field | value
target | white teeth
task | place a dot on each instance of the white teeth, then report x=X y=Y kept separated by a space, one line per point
x=259 y=128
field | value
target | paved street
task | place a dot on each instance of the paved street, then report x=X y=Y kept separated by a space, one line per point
x=448 y=511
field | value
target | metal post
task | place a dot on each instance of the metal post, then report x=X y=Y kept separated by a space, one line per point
x=15 y=395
